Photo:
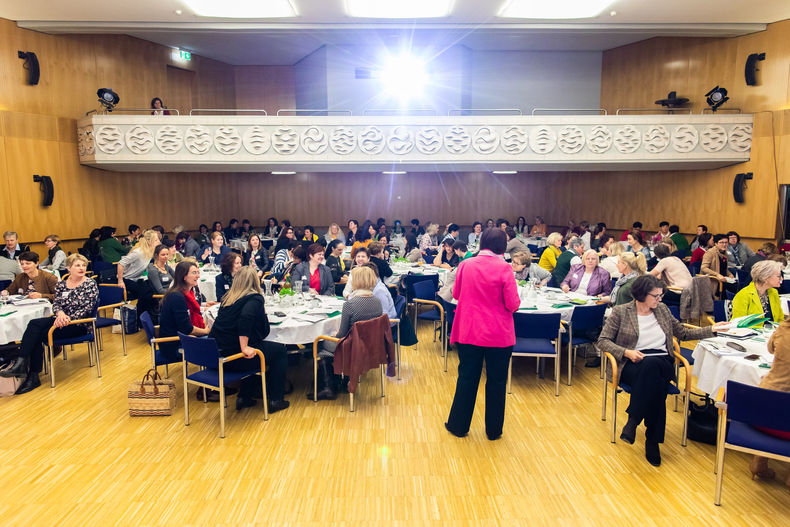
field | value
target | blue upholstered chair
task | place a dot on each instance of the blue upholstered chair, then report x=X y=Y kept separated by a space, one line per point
x=583 y=318
x=537 y=335
x=110 y=297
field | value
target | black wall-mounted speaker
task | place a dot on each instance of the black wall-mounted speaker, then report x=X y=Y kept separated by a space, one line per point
x=739 y=184
x=751 y=68
x=31 y=65
x=47 y=188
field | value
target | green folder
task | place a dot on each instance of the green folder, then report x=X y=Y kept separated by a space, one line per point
x=333 y=314
x=752 y=320
x=560 y=306
x=527 y=309
x=578 y=301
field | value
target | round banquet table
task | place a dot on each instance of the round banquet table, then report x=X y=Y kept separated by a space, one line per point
x=207 y=283
x=548 y=297
x=301 y=324
x=14 y=319
x=239 y=244
x=399 y=269
x=538 y=242
x=715 y=363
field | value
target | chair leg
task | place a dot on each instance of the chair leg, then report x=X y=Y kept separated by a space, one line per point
x=265 y=398
x=315 y=379
x=221 y=400
x=603 y=402
x=397 y=348
x=434 y=331
x=614 y=413
x=51 y=356
x=186 y=395
x=99 y=341
x=382 y=368
x=557 y=363
x=570 y=353
x=351 y=401
x=98 y=361
x=509 y=374
x=719 y=463
x=445 y=343
x=686 y=398
x=123 y=337
x=167 y=372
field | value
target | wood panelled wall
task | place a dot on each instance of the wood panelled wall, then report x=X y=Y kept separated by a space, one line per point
x=37 y=136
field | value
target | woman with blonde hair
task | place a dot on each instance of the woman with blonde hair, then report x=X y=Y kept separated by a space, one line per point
x=361 y=306
x=548 y=260
x=588 y=278
x=539 y=229
x=609 y=261
x=631 y=266
x=132 y=270
x=334 y=233
x=429 y=243
x=761 y=295
x=241 y=327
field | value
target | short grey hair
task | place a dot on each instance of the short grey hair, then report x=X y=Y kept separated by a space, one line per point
x=6 y=234
x=762 y=271
x=576 y=242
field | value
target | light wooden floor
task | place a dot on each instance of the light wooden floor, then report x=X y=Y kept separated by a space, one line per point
x=73 y=455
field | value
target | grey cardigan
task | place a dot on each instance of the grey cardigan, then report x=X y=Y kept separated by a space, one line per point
x=161 y=282
x=327 y=282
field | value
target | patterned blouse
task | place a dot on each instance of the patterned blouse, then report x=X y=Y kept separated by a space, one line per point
x=78 y=302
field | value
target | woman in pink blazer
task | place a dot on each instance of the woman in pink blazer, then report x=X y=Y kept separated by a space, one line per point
x=483 y=330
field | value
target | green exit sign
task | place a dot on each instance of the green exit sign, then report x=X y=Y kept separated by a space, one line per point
x=185 y=55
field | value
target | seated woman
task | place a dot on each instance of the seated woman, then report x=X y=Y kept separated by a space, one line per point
x=131 y=272
x=376 y=250
x=240 y=327
x=287 y=234
x=174 y=257
x=315 y=276
x=672 y=271
x=588 y=278
x=272 y=229
x=767 y=249
x=636 y=244
x=446 y=257
x=309 y=235
x=429 y=243
x=461 y=251
x=233 y=231
x=411 y=251
x=334 y=260
x=539 y=229
x=382 y=292
x=630 y=266
x=524 y=269
x=514 y=243
x=521 y=226
x=90 y=249
x=283 y=260
x=361 y=258
x=180 y=310
x=737 y=251
x=714 y=262
x=647 y=374
x=397 y=228
x=186 y=246
x=777 y=379
x=548 y=260
x=334 y=233
x=203 y=236
x=705 y=241
x=363 y=238
x=56 y=257
x=215 y=252
x=353 y=228
x=609 y=262
x=111 y=249
x=474 y=236
x=361 y=306
x=217 y=227
x=160 y=274
x=32 y=282
x=597 y=234
x=761 y=296
x=230 y=267
x=382 y=232
x=257 y=256
x=74 y=298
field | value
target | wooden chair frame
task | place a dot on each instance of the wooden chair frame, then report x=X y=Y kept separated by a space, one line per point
x=92 y=349
x=99 y=339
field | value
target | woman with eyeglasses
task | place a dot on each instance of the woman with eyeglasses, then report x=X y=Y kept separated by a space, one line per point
x=761 y=297
x=639 y=336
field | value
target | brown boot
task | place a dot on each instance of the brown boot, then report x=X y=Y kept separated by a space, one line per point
x=759 y=468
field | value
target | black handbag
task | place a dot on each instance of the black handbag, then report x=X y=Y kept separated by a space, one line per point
x=703 y=422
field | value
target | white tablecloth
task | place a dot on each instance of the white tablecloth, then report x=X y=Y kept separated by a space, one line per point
x=713 y=371
x=12 y=326
x=539 y=242
x=208 y=284
x=547 y=297
x=292 y=330
x=399 y=269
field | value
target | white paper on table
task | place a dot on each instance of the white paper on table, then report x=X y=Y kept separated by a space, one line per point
x=308 y=318
x=321 y=310
x=29 y=301
x=767 y=359
x=274 y=318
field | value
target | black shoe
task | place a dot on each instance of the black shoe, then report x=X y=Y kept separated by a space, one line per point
x=493 y=438
x=652 y=453
x=243 y=402
x=17 y=369
x=289 y=387
x=594 y=362
x=31 y=383
x=212 y=397
x=629 y=432
x=276 y=406
x=456 y=434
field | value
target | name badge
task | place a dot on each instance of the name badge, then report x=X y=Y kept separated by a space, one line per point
x=65 y=294
x=227 y=287
x=166 y=278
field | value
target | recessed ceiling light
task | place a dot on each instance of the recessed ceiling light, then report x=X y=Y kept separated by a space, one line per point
x=283 y=173
x=178 y=11
x=553 y=9
x=398 y=8
x=394 y=173
x=243 y=8
x=505 y=172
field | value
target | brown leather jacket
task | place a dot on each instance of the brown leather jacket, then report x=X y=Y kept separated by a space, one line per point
x=368 y=345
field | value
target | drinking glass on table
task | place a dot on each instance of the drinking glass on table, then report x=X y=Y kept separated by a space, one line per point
x=267 y=284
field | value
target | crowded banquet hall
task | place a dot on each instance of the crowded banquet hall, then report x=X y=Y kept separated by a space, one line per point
x=435 y=262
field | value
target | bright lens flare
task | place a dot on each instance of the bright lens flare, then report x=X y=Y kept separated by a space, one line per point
x=404 y=78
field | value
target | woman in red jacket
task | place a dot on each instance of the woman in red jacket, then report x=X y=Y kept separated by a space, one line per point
x=483 y=330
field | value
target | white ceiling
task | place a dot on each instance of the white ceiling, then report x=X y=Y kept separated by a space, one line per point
x=472 y=23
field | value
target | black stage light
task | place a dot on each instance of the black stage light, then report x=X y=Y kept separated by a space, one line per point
x=716 y=97
x=672 y=100
x=108 y=98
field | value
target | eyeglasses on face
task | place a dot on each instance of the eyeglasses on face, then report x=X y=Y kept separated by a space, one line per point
x=658 y=296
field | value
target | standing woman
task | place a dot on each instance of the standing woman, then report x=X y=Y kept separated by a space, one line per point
x=240 y=327
x=131 y=272
x=56 y=257
x=257 y=256
x=75 y=298
x=483 y=330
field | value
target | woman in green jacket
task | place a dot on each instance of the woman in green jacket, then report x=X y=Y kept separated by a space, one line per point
x=761 y=296
x=110 y=248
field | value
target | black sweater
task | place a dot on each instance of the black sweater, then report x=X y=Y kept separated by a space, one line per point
x=244 y=318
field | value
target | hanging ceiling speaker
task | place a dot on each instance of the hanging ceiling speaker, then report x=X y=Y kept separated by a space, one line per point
x=31 y=65
x=751 y=68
